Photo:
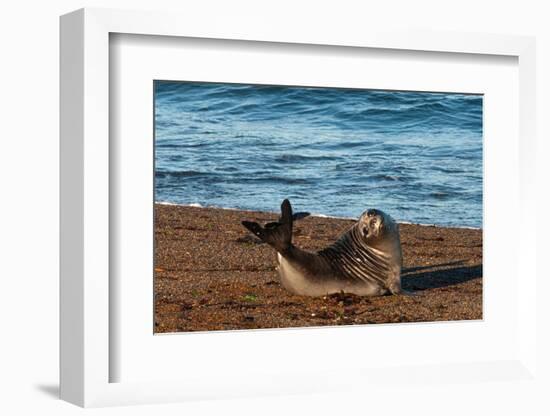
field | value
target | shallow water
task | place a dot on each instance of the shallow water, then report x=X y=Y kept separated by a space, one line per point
x=337 y=152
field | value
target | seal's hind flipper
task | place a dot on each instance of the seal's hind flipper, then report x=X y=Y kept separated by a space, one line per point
x=286 y=213
x=295 y=217
x=254 y=228
x=276 y=234
x=270 y=225
x=300 y=215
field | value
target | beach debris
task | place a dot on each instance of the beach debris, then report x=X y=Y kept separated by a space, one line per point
x=186 y=307
x=250 y=297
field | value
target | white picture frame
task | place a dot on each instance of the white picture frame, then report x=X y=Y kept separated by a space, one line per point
x=86 y=356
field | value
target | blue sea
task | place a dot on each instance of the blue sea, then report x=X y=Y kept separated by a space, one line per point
x=333 y=152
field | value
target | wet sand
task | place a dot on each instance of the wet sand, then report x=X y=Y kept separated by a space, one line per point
x=212 y=274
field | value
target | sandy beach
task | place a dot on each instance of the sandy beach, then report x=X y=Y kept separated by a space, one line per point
x=212 y=274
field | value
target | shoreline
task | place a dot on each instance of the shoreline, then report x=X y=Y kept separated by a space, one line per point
x=212 y=274
x=318 y=215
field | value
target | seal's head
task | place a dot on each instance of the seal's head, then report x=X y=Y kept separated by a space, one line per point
x=378 y=228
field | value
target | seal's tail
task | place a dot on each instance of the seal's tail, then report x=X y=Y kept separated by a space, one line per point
x=277 y=234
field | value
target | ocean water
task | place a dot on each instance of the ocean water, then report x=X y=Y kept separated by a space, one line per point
x=335 y=152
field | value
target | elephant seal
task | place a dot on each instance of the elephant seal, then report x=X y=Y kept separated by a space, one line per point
x=366 y=260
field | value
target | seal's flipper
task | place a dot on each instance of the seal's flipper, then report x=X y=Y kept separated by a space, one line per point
x=286 y=213
x=254 y=228
x=276 y=234
x=295 y=217
x=285 y=233
x=300 y=215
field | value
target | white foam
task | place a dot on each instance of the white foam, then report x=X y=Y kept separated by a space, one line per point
x=197 y=205
x=332 y=216
x=440 y=226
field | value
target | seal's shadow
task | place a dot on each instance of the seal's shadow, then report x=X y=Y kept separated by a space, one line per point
x=425 y=277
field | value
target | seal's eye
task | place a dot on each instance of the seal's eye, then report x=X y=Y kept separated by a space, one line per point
x=371 y=212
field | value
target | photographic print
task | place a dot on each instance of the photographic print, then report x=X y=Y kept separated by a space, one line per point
x=289 y=206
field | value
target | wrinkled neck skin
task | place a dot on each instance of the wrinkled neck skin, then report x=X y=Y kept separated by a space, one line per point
x=385 y=245
x=390 y=246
